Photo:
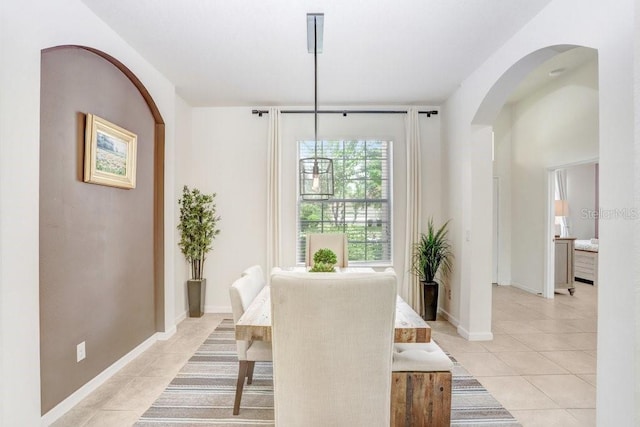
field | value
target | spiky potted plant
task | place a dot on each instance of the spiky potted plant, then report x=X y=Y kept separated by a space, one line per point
x=198 y=227
x=432 y=258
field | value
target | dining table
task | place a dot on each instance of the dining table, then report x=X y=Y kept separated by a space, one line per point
x=255 y=323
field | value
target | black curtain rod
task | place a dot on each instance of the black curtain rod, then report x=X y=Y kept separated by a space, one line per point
x=344 y=112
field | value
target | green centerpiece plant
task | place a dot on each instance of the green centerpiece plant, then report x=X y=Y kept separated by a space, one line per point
x=432 y=258
x=324 y=261
x=198 y=227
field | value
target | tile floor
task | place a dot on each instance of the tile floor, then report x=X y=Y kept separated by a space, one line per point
x=541 y=364
x=128 y=394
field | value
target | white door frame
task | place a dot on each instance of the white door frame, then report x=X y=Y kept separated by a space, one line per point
x=549 y=247
x=549 y=250
x=496 y=229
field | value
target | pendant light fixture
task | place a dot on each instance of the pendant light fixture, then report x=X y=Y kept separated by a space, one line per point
x=316 y=173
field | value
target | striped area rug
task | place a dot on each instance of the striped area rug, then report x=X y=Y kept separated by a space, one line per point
x=202 y=393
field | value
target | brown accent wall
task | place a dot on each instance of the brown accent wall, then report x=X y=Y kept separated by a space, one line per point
x=96 y=242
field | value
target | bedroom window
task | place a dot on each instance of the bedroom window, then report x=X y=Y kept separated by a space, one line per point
x=361 y=205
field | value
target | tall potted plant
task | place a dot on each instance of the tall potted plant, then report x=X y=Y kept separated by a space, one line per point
x=432 y=257
x=198 y=228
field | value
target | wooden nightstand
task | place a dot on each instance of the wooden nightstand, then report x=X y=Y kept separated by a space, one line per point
x=564 y=275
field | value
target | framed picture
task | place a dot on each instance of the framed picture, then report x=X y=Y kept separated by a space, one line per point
x=109 y=154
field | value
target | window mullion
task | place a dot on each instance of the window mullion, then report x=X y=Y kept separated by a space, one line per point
x=338 y=214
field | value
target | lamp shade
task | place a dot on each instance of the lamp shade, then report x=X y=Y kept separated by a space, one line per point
x=561 y=208
x=316 y=178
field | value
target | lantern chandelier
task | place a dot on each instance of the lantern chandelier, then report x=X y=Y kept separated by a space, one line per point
x=316 y=173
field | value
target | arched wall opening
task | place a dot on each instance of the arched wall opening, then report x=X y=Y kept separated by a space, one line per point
x=481 y=184
x=101 y=248
x=475 y=233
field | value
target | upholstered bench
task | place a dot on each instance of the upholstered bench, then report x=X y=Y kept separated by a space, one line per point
x=420 y=386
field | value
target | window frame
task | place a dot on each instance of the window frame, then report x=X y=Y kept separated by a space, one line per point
x=388 y=158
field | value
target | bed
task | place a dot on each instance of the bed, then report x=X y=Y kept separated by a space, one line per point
x=586 y=261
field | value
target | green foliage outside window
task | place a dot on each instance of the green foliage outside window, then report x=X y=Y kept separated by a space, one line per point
x=360 y=207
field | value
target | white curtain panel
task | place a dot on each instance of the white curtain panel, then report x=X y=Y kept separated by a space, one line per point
x=561 y=187
x=273 y=190
x=409 y=289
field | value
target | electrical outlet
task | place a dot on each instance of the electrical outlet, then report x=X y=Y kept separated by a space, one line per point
x=81 y=351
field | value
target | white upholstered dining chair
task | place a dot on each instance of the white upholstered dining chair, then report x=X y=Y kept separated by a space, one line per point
x=257 y=274
x=337 y=242
x=242 y=292
x=332 y=348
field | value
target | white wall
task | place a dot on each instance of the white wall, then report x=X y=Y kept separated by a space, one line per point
x=556 y=125
x=229 y=153
x=502 y=170
x=228 y=156
x=581 y=197
x=608 y=29
x=183 y=176
x=26 y=27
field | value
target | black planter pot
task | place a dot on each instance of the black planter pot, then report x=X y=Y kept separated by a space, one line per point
x=195 y=293
x=430 y=299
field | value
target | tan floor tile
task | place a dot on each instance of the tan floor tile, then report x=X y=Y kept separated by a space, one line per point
x=545 y=342
x=484 y=364
x=559 y=312
x=164 y=346
x=113 y=419
x=457 y=344
x=504 y=342
x=530 y=363
x=442 y=326
x=141 y=392
x=568 y=391
x=555 y=326
x=590 y=378
x=106 y=391
x=136 y=366
x=517 y=327
x=584 y=325
x=576 y=362
x=76 y=417
x=166 y=364
x=583 y=340
x=516 y=393
x=586 y=417
x=500 y=315
x=519 y=312
x=546 y=418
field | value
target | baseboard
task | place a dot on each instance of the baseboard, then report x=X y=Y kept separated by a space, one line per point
x=450 y=318
x=163 y=336
x=526 y=288
x=181 y=317
x=474 y=336
x=63 y=407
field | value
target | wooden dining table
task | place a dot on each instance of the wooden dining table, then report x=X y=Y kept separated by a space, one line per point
x=255 y=323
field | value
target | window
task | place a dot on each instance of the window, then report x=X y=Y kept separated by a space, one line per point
x=361 y=205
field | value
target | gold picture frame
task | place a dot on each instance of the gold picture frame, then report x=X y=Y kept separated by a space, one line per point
x=109 y=154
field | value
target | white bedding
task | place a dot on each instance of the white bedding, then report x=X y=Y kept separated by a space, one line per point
x=587 y=245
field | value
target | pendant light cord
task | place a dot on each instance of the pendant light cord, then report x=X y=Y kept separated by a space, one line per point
x=315 y=78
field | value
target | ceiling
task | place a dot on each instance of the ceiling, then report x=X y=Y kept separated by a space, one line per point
x=376 y=52
x=560 y=65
